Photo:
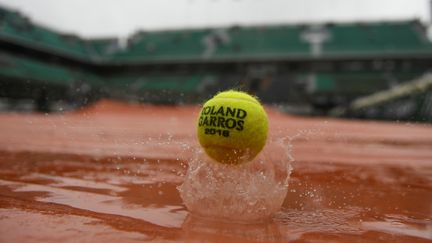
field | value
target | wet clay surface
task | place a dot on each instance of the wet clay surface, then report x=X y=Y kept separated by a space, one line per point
x=110 y=173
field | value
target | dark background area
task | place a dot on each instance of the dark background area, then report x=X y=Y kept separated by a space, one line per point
x=373 y=70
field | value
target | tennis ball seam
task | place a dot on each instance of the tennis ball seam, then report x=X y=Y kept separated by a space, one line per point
x=241 y=99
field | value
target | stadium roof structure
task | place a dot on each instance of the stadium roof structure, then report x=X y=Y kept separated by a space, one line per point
x=399 y=39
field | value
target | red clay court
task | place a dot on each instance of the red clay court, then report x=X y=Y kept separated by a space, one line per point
x=109 y=173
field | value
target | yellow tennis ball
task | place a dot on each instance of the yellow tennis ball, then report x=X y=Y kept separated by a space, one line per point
x=232 y=127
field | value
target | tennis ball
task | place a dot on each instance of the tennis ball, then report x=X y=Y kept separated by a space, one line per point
x=232 y=127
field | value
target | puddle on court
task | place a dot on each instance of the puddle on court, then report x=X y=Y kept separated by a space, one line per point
x=329 y=202
x=123 y=184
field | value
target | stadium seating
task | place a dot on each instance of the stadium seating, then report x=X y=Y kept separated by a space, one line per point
x=29 y=69
x=16 y=28
x=270 y=41
x=92 y=59
x=166 y=45
x=277 y=41
x=394 y=37
x=283 y=41
x=156 y=82
x=357 y=83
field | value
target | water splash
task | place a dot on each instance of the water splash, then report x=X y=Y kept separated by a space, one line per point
x=244 y=193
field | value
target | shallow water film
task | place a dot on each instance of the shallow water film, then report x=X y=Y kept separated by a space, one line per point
x=117 y=172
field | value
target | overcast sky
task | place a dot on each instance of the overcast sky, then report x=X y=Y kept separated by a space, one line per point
x=102 y=18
